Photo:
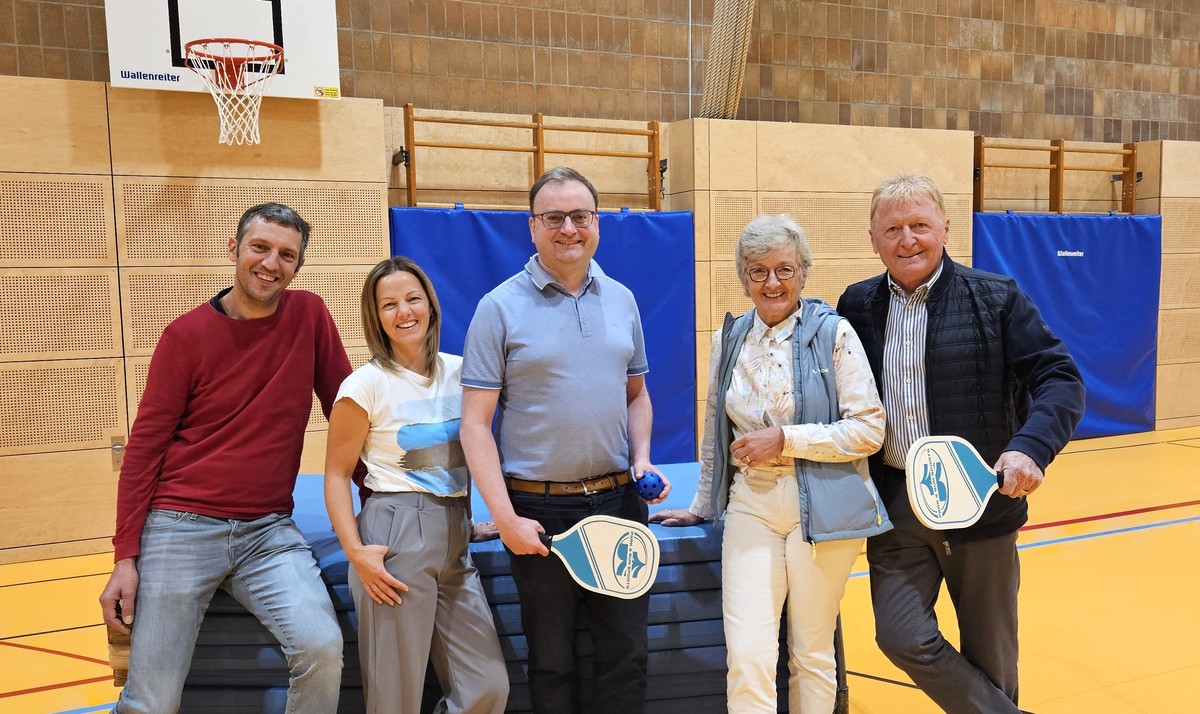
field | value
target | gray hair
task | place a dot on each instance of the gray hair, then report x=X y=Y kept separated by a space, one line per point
x=907 y=188
x=766 y=233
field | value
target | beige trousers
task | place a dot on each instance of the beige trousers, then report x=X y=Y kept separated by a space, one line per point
x=765 y=561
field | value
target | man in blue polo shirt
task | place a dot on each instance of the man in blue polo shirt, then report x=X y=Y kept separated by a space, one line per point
x=558 y=348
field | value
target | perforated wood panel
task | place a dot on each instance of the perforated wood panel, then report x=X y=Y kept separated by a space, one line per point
x=828 y=278
x=1180 y=218
x=1180 y=281
x=728 y=295
x=835 y=223
x=137 y=369
x=190 y=221
x=1179 y=337
x=316 y=420
x=60 y=405
x=56 y=221
x=341 y=288
x=730 y=213
x=54 y=313
x=152 y=298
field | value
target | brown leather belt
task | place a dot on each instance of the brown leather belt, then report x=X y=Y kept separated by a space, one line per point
x=595 y=484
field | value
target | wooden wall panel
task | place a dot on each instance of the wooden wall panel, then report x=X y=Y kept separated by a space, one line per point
x=1149 y=165
x=160 y=133
x=836 y=224
x=728 y=295
x=167 y=221
x=53 y=126
x=137 y=369
x=1180 y=178
x=152 y=297
x=828 y=279
x=1180 y=282
x=730 y=211
x=854 y=159
x=57 y=504
x=64 y=405
x=732 y=152
x=1177 y=396
x=1179 y=338
x=1180 y=222
x=58 y=313
x=56 y=220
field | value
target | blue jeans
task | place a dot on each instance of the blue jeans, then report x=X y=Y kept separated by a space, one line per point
x=550 y=599
x=267 y=566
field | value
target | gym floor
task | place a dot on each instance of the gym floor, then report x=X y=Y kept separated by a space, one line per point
x=1106 y=627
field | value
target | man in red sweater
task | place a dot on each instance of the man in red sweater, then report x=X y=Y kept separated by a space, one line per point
x=205 y=494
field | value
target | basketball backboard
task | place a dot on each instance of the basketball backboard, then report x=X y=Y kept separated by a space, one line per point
x=146 y=41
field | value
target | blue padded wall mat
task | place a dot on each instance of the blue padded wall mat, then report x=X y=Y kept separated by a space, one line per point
x=467 y=253
x=238 y=666
x=1096 y=281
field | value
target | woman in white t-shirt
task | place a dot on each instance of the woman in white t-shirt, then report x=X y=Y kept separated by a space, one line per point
x=418 y=596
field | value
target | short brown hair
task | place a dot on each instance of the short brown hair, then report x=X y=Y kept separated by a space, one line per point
x=562 y=174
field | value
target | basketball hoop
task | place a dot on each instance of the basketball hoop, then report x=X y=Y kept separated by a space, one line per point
x=236 y=73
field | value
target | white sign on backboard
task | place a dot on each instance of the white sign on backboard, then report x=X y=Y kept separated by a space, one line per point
x=146 y=41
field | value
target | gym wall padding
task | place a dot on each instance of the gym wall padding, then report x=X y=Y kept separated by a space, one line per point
x=1096 y=281
x=468 y=252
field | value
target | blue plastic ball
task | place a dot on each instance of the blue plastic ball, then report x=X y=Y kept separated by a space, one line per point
x=649 y=486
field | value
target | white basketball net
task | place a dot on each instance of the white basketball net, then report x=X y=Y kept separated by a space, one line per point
x=236 y=73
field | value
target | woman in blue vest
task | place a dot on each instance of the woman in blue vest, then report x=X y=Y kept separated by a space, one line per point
x=792 y=416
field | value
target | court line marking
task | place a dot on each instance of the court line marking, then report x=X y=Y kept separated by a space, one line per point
x=1053 y=541
x=93 y=708
x=72 y=655
x=1118 y=514
x=50 y=687
x=1085 y=536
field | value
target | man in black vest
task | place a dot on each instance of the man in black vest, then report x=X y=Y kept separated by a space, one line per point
x=955 y=351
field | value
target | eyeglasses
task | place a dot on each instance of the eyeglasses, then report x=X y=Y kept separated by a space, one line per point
x=555 y=219
x=782 y=273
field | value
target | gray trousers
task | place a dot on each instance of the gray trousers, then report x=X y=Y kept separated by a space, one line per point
x=982 y=577
x=444 y=618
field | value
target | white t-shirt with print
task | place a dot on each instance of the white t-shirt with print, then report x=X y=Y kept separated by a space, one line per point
x=413 y=442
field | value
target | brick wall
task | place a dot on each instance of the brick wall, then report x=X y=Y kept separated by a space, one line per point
x=1102 y=70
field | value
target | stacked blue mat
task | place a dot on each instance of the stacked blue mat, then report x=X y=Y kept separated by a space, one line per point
x=238 y=667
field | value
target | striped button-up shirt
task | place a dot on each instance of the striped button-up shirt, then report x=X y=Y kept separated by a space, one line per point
x=903 y=373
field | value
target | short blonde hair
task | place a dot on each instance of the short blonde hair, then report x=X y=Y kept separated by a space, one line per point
x=907 y=188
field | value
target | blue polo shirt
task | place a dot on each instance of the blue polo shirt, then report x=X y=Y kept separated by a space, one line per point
x=561 y=364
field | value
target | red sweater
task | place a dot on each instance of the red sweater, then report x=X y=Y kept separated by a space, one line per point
x=221 y=424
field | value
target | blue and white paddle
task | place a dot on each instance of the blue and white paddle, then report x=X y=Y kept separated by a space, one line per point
x=948 y=482
x=607 y=555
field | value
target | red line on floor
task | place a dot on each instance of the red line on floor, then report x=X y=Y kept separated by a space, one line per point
x=48 y=687
x=56 y=652
x=1118 y=514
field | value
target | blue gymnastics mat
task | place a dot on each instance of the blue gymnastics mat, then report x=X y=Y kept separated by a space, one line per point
x=238 y=666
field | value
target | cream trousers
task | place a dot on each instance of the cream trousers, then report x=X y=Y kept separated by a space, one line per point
x=765 y=561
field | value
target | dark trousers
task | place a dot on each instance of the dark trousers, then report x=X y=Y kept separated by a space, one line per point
x=550 y=599
x=982 y=577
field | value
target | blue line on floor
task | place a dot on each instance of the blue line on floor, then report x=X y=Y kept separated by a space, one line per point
x=96 y=708
x=1086 y=536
